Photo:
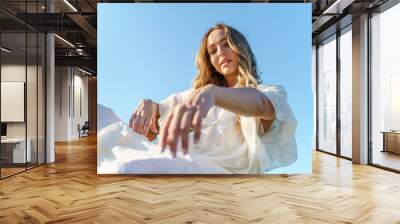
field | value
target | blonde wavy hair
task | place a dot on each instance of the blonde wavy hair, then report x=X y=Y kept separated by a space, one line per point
x=247 y=76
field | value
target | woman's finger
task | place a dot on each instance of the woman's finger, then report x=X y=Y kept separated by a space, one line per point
x=172 y=147
x=197 y=125
x=174 y=130
x=136 y=123
x=186 y=125
x=141 y=125
x=185 y=142
x=153 y=124
x=146 y=126
x=132 y=119
x=164 y=132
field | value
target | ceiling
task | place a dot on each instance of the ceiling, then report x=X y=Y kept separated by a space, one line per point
x=76 y=22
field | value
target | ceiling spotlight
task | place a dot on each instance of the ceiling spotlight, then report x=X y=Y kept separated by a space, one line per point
x=5 y=50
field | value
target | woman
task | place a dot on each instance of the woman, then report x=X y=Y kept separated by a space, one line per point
x=227 y=123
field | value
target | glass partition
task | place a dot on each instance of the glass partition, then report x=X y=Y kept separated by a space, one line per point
x=14 y=153
x=32 y=95
x=23 y=91
x=41 y=109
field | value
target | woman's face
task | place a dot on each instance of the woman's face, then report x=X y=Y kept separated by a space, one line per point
x=223 y=58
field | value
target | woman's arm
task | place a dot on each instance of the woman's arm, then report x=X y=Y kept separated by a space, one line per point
x=188 y=115
x=244 y=101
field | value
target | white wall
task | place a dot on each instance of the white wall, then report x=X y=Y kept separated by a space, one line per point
x=16 y=73
x=12 y=101
x=80 y=108
x=61 y=103
x=71 y=93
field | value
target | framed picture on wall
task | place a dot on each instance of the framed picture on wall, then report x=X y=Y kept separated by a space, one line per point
x=184 y=88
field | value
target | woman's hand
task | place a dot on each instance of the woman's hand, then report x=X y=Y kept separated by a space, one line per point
x=185 y=117
x=144 y=118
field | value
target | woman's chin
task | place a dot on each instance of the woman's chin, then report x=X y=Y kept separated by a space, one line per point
x=227 y=72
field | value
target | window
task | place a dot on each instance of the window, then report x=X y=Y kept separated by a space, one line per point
x=327 y=95
x=346 y=92
x=385 y=88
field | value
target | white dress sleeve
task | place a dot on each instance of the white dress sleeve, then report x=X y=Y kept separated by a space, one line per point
x=276 y=147
x=105 y=116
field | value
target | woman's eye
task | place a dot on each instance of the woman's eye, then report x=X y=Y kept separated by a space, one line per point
x=226 y=44
x=212 y=52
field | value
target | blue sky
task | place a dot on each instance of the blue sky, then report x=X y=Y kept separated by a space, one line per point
x=148 y=51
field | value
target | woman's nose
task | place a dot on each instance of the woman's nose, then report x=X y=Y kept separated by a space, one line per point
x=221 y=51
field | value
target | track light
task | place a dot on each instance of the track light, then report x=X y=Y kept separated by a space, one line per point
x=5 y=50
x=84 y=71
x=338 y=6
x=70 y=5
x=65 y=41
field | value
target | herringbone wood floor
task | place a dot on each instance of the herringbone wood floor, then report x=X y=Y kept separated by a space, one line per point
x=70 y=191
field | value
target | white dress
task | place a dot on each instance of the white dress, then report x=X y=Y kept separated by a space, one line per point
x=223 y=148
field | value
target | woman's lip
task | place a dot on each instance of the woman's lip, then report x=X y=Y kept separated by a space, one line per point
x=226 y=62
